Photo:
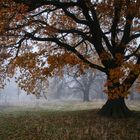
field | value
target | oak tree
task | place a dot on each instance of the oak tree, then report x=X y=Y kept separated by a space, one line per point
x=40 y=37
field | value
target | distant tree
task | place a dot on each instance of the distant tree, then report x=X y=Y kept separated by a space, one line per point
x=72 y=33
x=56 y=87
x=98 y=86
x=82 y=83
x=18 y=92
x=41 y=88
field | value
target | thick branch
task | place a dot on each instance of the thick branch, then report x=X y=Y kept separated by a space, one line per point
x=127 y=27
x=74 y=17
x=84 y=36
x=117 y=10
x=69 y=48
x=96 y=25
x=33 y=4
x=134 y=36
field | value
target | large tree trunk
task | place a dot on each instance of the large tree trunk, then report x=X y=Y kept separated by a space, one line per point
x=86 y=96
x=115 y=108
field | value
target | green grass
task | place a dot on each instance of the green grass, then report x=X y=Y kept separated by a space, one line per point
x=66 y=125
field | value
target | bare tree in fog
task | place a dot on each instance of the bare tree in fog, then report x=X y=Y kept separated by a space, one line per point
x=81 y=83
x=56 y=87
x=84 y=83
x=42 y=86
x=18 y=92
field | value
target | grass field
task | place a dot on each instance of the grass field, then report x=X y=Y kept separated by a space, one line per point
x=17 y=123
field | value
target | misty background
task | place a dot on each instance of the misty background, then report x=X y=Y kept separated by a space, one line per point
x=87 y=87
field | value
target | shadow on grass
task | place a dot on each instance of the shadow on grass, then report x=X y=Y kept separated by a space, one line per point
x=67 y=125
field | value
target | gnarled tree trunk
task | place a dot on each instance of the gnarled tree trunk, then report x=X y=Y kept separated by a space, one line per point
x=115 y=108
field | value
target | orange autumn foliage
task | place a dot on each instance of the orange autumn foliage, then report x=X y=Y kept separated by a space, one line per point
x=40 y=38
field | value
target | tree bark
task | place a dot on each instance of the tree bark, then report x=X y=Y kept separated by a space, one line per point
x=86 y=96
x=115 y=108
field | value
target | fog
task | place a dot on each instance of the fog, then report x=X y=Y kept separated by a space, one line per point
x=57 y=93
x=13 y=94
